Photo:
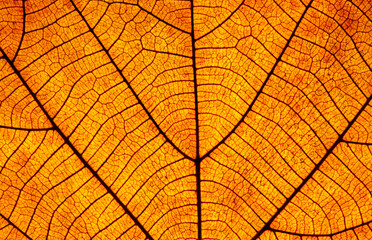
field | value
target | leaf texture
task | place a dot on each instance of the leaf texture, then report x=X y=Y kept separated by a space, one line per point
x=195 y=119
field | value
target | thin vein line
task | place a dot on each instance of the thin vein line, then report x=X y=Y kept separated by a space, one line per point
x=27 y=129
x=220 y=24
x=159 y=19
x=358 y=143
x=322 y=235
x=23 y=29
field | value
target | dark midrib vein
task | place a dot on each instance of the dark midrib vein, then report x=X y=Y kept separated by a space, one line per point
x=128 y=84
x=76 y=152
x=316 y=168
x=262 y=87
x=195 y=82
x=197 y=161
x=13 y=225
x=198 y=197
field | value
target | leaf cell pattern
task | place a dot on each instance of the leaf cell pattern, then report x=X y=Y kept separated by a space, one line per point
x=173 y=119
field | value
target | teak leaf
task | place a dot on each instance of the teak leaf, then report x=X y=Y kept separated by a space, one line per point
x=177 y=119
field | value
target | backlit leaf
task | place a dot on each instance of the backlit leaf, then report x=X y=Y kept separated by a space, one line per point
x=124 y=119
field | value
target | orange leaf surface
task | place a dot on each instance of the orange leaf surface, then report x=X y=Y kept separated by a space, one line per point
x=175 y=119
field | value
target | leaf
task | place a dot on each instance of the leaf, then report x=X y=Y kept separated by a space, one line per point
x=185 y=119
